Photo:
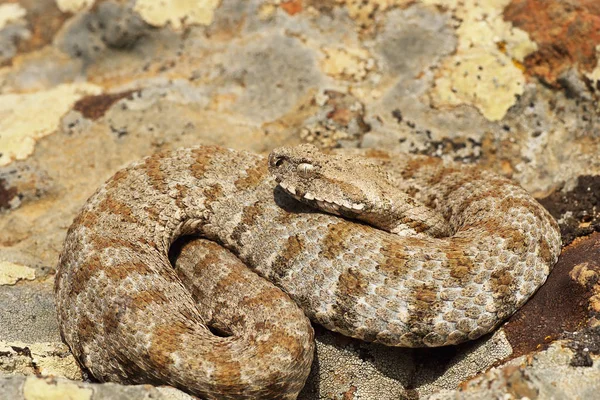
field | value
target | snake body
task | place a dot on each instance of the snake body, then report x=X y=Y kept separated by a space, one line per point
x=422 y=253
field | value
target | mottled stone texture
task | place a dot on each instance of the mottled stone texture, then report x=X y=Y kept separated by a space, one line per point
x=88 y=86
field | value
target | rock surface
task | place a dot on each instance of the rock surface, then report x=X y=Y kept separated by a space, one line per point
x=88 y=86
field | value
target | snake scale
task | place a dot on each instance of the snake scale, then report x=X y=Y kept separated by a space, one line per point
x=398 y=249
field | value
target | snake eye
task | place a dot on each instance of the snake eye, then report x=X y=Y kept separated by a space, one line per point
x=305 y=169
x=278 y=161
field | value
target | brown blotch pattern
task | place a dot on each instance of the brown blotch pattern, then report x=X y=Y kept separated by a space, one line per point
x=254 y=176
x=166 y=340
x=142 y=299
x=351 y=285
x=122 y=271
x=413 y=165
x=120 y=176
x=202 y=159
x=293 y=246
x=112 y=206
x=155 y=173
x=544 y=252
x=84 y=273
x=249 y=215
x=461 y=266
x=87 y=219
x=227 y=371
x=212 y=194
x=395 y=260
x=334 y=242
x=424 y=305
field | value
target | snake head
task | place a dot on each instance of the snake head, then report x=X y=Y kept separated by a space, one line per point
x=329 y=182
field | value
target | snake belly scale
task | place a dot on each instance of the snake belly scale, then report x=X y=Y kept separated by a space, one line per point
x=398 y=249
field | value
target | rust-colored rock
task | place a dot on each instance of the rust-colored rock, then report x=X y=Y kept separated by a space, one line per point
x=559 y=28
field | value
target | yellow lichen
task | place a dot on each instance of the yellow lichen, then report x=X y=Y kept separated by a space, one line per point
x=43 y=358
x=11 y=273
x=10 y=12
x=484 y=71
x=362 y=11
x=352 y=63
x=176 y=12
x=48 y=389
x=73 y=5
x=19 y=131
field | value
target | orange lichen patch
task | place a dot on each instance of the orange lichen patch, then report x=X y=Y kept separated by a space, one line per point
x=566 y=33
x=94 y=107
x=292 y=7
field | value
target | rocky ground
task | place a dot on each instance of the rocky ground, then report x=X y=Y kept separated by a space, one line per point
x=88 y=86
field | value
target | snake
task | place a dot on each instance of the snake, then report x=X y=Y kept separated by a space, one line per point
x=398 y=249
